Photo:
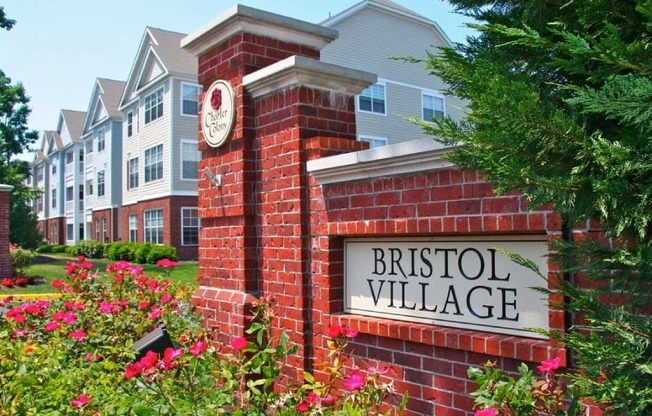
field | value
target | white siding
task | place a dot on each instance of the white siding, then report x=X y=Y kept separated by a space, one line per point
x=184 y=128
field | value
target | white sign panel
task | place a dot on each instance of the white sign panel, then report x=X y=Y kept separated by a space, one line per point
x=461 y=283
x=218 y=113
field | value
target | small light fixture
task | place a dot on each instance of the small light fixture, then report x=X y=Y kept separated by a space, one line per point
x=215 y=179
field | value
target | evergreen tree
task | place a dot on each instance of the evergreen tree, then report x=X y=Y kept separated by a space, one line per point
x=560 y=109
x=14 y=139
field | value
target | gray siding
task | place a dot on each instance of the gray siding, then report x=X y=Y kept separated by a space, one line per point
x=184 y=128
x=367 y=41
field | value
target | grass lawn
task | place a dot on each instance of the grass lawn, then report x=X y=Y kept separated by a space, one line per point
x=53 y=266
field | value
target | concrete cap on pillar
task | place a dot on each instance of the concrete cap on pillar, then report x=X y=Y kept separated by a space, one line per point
x=6 y=188
x=301 y=71
x=239 y=19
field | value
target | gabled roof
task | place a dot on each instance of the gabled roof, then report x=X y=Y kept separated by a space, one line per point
x=74 y=121
x=105 y=99
x=158 y=56
x=57 y=139
x=390 y=6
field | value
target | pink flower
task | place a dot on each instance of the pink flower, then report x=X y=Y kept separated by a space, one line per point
x=354 y=381
x=167 y=263
x=334 y=331
x=239 y=343
x=328 y=400
x=51 y=326
x=149 y=360
x=81 y=401
x=58 y=283
x=486 y=412
x=155 y=313
x=71 y=268
x=136 y=270
x=143 y=305
x=341 y=330
x=133 y=370
x=170 y=354
x=166 y=298
x=313 y=398
x=197 y=348
x=549 y=366
x=78 y=335
x=93 y=356
x=81 y=258
x=107 y=308
x=87 y=265
x=69 y=318
x=348 y=332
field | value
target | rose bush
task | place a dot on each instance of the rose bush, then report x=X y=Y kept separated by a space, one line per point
x=74 y=355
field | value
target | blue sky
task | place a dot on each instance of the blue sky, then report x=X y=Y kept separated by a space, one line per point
x=58 y=48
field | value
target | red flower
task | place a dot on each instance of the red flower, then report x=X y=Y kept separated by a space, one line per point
x=341 y=330
x=155 y=313
x=303 y=406
x=354 y=381
x=239 y=343
x=7 y=282
x=133 y=370
x=78 y=335
x=170 y=354
x=197 y=348
x=81 y=401
x=22 y=281
x=58 y=283
x=328 y=400
x=334 y=331
x=51 y=326
x=486 y=412
x=149 y=360
x=549 y=366
x=167 y=263
x=166 y=298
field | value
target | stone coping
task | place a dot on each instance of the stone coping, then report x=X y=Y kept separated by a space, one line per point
x=6 y=188
x=302 y=71
x=402 y=158
x=239 y=19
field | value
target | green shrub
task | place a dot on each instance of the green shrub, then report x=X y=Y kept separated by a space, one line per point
x=59 y=248
x=90 y=248
x=122 y=250
x=161 y=252
x=21 y=259
x=44 y=248
x=142 y=251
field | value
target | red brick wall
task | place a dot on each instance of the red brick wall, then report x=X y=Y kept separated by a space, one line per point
x=5 y=257
x=171 y=207
x=112 y=218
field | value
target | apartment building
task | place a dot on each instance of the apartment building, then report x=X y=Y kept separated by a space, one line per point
x=126 y=169
x=371 y=34
x=102 y=143
x=160 y=156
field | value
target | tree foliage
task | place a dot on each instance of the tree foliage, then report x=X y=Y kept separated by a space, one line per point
x=14 y=139
x=560 y=109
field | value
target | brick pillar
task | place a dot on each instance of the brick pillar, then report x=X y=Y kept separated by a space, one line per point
x=254 y=237
x=5 y=257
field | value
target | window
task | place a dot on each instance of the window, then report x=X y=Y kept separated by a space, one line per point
x=53 y=197
x=54 y=169
x=97 y=230
x=89 y=187
x=372 y=99
x=189 y=99
x=39 y=173
x=100 y=139
x=81 y=161
x=89 y=146
x=69 y=158
x=132 y=173
x=189 y=158
x=39 y=203
x=130 y=124
x=154 y=163
x=133 y=227
x=373 y=141
x=105 y=236
x=69 y=193
x=154 y=226
x=100 y=183
x=154 y=106
x=189 y=227
x=70 y=231
x=433 y=106
x=81 y=197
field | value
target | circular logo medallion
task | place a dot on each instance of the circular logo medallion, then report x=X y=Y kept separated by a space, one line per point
x=218 y=113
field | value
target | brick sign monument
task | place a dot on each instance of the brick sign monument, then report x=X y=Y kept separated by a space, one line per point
x=394 y=242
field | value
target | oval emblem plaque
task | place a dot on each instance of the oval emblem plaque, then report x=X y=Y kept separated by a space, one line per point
x=218 y=113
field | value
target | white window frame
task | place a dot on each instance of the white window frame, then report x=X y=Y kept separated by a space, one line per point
x=89 y=187
x=101 y=183
x=436 y=95
x=105 y=235
x=149 y=228
x=182 y=98
x=184 y=226
x=53 y=198
x=133 y=227
x=182 y=160
x=132 y=174
x=70 y=158
x=148 y=167
x=154 y=105
x=373 y=139
x=101 y=139
x=129 y=122
x=70 y=193
x=371 y=89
